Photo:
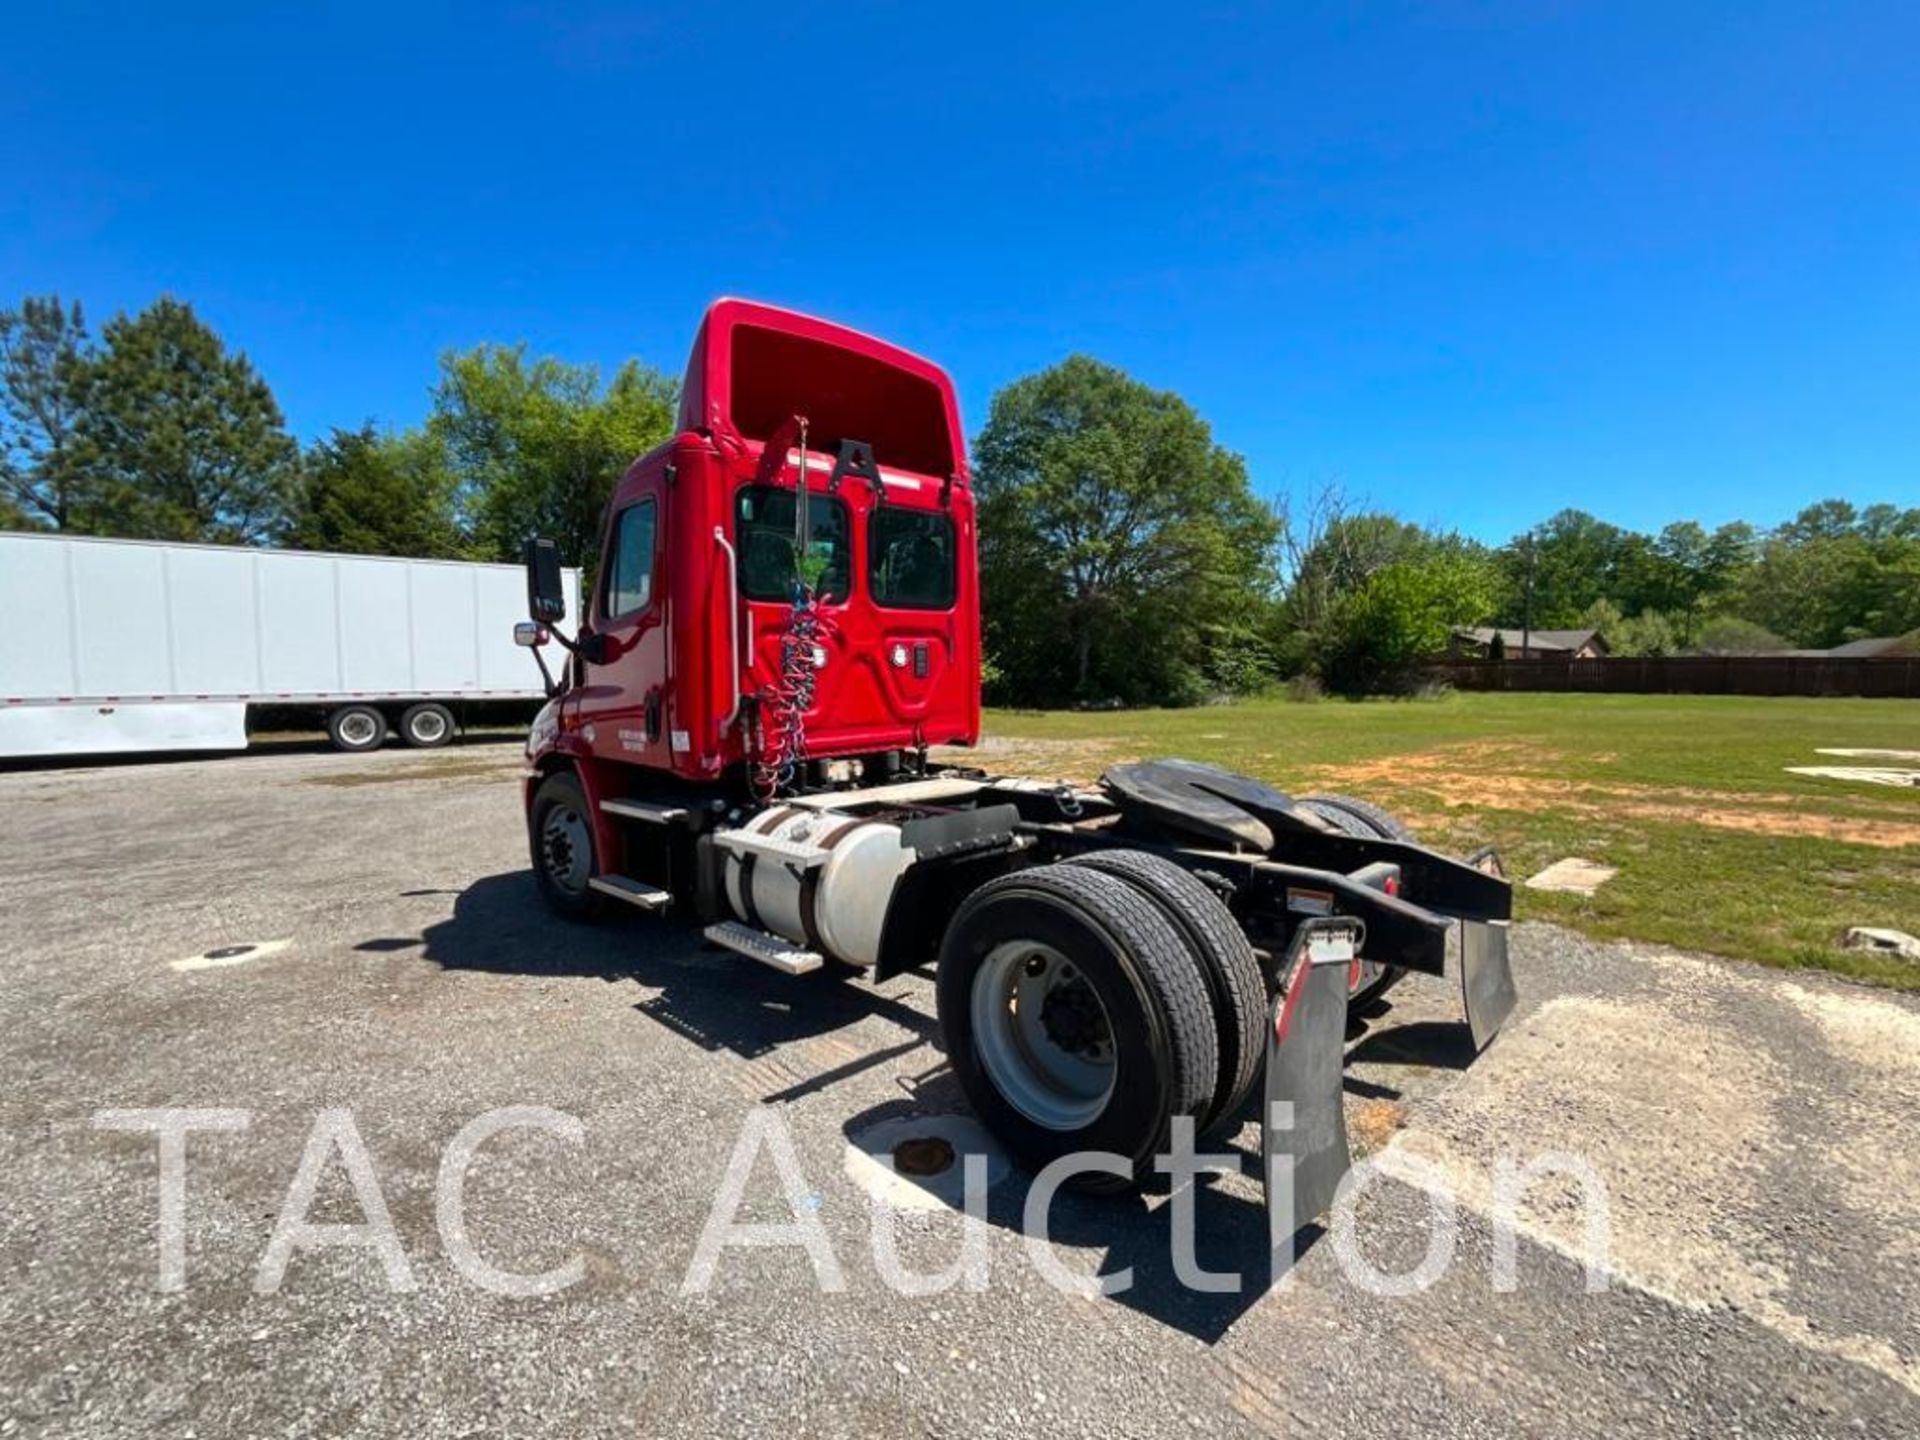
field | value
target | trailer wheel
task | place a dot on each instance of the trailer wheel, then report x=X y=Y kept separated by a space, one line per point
x=1364 y=821
x=356 y=728
x=427 y=725
x=560 y=835
x=1076 y=1018
x=1238 y=989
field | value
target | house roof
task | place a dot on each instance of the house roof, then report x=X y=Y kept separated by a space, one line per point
x=1878 y=645
x=1568 y=640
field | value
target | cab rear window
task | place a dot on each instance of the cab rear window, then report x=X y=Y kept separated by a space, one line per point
x=910 y=558
x=763 y=530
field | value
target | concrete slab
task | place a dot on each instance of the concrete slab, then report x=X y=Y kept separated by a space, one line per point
x=1890 y=942
x=1572 y=876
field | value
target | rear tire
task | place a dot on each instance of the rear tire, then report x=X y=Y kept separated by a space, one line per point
x=1117 y=1035
x=356 y=729
x=560 y=838
x=1238 y=989
x=1383 y=823
x=427 y=726
x=1364 y=821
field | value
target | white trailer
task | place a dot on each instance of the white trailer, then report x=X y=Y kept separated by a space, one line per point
x=113 y=646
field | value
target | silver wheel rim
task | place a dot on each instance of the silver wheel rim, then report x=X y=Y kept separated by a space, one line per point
x=1043 y=1037
x=358 y=728
x=566 y=849
x=429 y=727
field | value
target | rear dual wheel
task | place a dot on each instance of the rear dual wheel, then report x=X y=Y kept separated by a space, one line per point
x=360 y=728
x=1079 y=1017
x=427 y=726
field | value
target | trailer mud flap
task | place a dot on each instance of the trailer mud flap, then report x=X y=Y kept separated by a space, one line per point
x=1304 y=1122
x=1486 y=978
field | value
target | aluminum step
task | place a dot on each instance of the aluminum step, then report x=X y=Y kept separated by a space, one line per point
x=782 y=955
x=801 y=854
x=634 y=892
x=644 y=810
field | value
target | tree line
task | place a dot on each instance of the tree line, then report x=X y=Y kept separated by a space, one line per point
x=1125 y=555
x=156 y=430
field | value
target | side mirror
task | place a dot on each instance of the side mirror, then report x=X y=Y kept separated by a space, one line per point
x=546 y=591
x=527 y=633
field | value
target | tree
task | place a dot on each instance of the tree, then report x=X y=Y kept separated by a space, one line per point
x=537 y=446
x=183 y=437
x=1650 y=632
x=1406 y=612
x=1120 y=547
x=1729 y=635
x=364 y=493
x=45 y=353
x=1576 y=560
x=1347 y=551
x=1833 y=574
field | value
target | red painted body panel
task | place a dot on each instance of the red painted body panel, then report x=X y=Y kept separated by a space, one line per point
x=662 y=695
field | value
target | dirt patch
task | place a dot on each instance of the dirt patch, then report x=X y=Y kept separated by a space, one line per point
x=451 y=770
x=1373 y=1123
x=1485 y=776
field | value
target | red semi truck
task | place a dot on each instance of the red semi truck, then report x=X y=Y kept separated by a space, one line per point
x=786 y=621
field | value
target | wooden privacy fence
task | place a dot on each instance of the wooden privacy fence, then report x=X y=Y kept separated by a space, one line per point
x=1692 y=675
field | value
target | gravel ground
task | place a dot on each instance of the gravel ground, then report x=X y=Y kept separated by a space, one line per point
x=1754 y=1133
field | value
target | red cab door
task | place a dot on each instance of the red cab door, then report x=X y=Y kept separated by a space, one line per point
x=623 y=706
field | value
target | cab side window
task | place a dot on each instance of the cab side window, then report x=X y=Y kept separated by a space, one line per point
x=630 y=573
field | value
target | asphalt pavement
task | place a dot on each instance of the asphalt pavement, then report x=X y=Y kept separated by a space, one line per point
x=346 y=955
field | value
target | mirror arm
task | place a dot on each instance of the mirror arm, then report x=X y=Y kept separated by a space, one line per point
x=546 y=675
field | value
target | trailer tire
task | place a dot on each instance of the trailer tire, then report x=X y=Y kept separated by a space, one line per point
x=427 y=726
x=1364 y=821
x=1232 y=970
x=1070 y=1076
x=356 y=729
x=560 y=839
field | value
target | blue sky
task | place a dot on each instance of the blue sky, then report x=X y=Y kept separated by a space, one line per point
x=1476 y=262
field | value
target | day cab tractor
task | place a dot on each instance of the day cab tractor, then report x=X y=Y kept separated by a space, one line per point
x=784 y=623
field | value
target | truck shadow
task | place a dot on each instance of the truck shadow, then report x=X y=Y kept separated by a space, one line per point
x=723 y=1003
x=1135 y=1232
x=717 y=1000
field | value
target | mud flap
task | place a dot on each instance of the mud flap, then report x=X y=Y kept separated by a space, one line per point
x=1304 y=1122
x=1486 y=978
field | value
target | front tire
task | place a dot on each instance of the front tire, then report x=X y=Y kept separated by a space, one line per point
x=357 y=729
x=1076 y=1019
x=560 y=838
x=427 y=726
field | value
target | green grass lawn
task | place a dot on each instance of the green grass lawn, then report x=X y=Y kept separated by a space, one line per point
x=1718 y=848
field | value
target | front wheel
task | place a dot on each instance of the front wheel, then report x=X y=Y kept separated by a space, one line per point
x=1076 y=1019
x=560 y=836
